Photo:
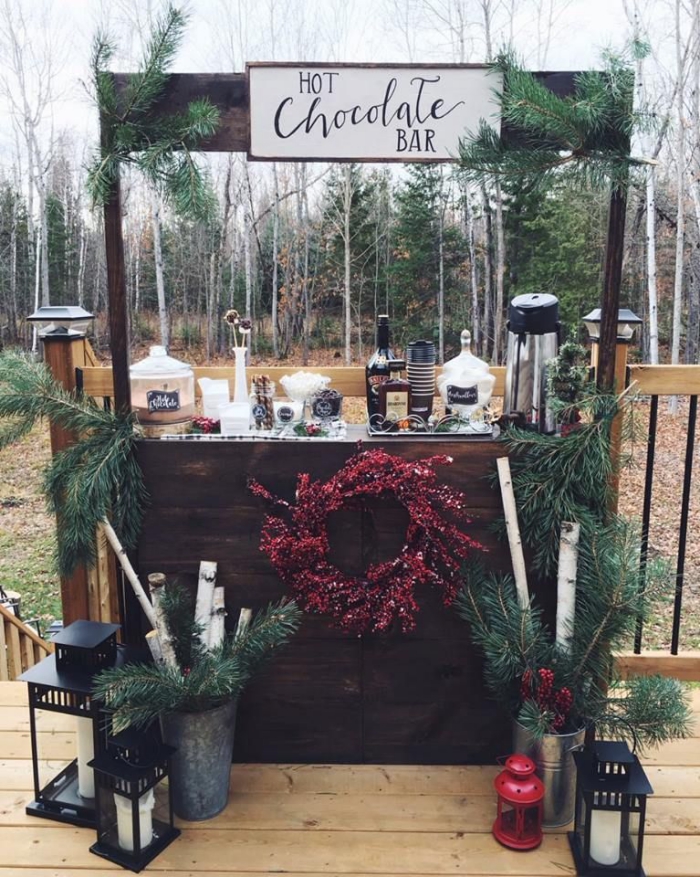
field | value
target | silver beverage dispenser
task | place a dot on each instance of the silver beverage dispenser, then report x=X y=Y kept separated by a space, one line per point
x=533 y=338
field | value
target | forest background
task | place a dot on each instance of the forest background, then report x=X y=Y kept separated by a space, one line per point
x=312 y=252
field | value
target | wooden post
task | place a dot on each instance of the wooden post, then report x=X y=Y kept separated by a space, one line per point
x=63 y=355
x=117 y=301
x=605 y=373
x=619 y=384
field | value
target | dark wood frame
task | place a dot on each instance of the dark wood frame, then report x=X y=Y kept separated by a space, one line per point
x=230 y=93
x=438 y=732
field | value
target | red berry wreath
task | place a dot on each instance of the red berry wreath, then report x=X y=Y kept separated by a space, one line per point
x=433 y=552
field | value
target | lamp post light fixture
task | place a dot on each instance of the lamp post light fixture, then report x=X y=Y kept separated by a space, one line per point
x=134 y=804
x=627 y=322
x=61 y=321
x=611 y=796
x=62 y=683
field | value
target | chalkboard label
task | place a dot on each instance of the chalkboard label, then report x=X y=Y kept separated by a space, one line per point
x=285 y=414
x=462 y=395
x=163 y=400
x=259 y=411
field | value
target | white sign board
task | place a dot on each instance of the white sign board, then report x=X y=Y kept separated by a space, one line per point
x=356 y=113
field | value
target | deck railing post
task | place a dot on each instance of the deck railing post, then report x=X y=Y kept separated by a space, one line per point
x=63 y=355
x=621 y=351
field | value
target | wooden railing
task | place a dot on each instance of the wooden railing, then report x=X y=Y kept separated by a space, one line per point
x=661 y=380
x=20 y=647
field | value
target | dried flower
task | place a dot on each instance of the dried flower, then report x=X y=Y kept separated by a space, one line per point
x=232 y=318
x=245 y=326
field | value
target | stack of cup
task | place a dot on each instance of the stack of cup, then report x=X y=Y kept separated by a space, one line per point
x=420 y=357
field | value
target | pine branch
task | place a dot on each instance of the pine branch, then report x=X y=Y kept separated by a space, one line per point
x=94 y=478
x=139 y=693
x=132 y=133
x=584 y=135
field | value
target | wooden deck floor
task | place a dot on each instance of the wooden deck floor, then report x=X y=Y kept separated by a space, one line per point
x=335 y=820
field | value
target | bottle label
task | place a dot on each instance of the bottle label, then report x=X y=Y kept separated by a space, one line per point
x=396 y=405
x=375 y=381
x=259 y=411
x=163 y=400
x=462 y=395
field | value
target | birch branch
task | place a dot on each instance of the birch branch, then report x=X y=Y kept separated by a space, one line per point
x=217 y=627
x=129 y=571
x=513 y=529
x=156 y=584
x=205 y=598
x=566 y=584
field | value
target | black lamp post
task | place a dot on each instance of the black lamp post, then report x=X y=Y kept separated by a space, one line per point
x=134 y=804
x=62 y=683
x=611 y=797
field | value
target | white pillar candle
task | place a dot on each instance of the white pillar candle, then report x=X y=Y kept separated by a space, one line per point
x=125 y=825
x=86 y=752
x=605 y=836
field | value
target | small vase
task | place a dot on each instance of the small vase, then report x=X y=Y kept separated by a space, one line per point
x=201 y=766
x=555 y=767
x=240 y=392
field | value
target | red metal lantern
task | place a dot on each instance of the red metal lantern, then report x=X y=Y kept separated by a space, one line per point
x=520 y=805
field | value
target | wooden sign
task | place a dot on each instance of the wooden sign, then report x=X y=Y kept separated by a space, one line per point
x=345 y=112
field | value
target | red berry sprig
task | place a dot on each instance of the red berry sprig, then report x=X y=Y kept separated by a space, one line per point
x=540 y=687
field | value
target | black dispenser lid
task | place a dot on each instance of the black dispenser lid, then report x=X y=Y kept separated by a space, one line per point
x=536 y=313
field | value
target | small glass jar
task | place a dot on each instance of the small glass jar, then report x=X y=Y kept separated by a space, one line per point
x=261 y=403
x=287 y=411
x=326 y=405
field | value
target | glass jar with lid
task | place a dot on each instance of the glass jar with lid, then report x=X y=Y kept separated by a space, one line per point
x=162 y=392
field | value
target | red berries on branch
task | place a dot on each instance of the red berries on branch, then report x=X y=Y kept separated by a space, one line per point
x=540 y=688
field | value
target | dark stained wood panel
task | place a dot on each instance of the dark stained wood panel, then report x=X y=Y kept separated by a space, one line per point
x=329 y=696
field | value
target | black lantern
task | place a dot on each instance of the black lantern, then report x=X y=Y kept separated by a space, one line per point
x=611 y=800
x=62 y=683
x=61 y=321
x=134 y=804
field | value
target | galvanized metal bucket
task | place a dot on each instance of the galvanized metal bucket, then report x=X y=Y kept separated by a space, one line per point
x=555 y=767
x=201 y=767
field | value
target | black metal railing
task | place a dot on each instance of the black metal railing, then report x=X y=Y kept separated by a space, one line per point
x=683 y=522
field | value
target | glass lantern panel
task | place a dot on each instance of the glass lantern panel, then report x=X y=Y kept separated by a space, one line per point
x=509 y=819
x=531 y=821
x=64 y=778
x=581 y=820
x=631 y=824
x=162 y=817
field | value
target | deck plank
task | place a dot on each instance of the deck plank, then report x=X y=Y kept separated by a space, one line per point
x=350 y=813
x=354 y=853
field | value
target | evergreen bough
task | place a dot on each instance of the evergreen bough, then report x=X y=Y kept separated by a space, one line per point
x=94 y=478
x=140 y=693
x=559 y=479
x=585 y=135
x=160 y=145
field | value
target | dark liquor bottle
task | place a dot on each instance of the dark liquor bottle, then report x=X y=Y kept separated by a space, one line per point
x=377 y=370
x=395 y=395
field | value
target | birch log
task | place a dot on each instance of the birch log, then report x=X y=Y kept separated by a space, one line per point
x=513 y=529
x=153 y=643
x=243 y=622
x=129 y=571
x=217 y=627
x=205 y=598
x=566 y=584
x=156 y=584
